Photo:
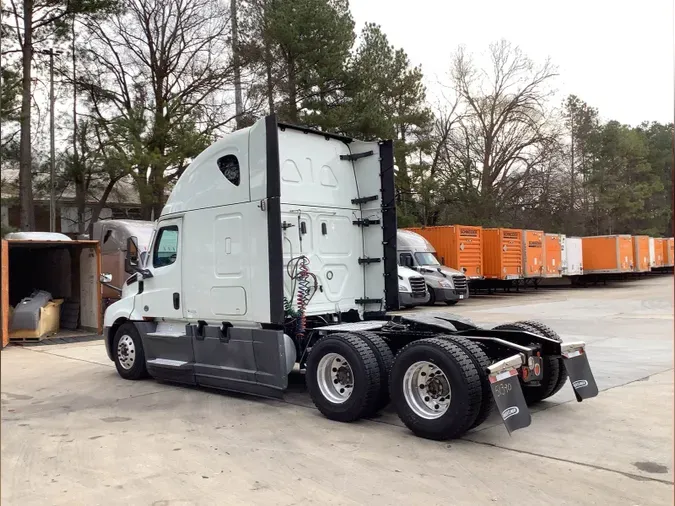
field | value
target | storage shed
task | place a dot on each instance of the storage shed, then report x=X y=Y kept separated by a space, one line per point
x=69 y=270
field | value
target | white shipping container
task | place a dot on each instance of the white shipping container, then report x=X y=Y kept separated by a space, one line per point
x=652 y=253
x=572 y=253
x=563 y=254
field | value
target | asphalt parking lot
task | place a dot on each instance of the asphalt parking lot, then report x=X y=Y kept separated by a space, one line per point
x=74 y=432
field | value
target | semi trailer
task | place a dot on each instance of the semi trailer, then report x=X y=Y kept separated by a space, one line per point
x=276 y=252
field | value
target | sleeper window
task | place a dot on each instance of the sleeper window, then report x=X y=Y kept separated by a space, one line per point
x=406 y=260
x=166 y=247
x=229 y=167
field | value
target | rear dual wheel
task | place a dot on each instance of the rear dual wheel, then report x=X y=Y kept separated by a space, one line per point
x=554 y=373
x=347 y=375
x=436 y=388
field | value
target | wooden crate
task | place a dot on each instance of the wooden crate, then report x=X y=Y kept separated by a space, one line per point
x=48 y=325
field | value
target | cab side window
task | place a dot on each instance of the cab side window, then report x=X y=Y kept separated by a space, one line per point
x=166 y=247
x=406 y=260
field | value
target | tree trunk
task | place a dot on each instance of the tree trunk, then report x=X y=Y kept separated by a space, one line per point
x=268 y=62
x=292 y=92
x=238 y=107
x=96 y=211
x=270 y=85
x=27 y=211
x=158 y=185
x=81 y=186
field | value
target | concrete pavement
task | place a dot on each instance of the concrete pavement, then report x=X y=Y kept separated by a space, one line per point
x=74 y=432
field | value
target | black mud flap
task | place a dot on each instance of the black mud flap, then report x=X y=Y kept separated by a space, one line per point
x=581 y=377
x=510 y=401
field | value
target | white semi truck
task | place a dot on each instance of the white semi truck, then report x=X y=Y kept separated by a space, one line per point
x=412 y=289
x=277 y=249
x=443 y=283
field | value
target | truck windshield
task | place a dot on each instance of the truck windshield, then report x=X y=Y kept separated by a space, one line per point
x=426 y=259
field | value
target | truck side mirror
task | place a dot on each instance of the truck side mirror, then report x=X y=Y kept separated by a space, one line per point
x=131 y=257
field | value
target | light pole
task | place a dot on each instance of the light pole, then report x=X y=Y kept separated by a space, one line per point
x=52 y=156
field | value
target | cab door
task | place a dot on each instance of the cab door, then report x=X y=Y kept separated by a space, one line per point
x=160 y=295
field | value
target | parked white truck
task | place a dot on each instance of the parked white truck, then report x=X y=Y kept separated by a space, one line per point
x=277 y=247
x=412 y=289
x=443 y=283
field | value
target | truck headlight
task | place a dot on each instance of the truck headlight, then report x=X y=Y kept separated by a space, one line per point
x=403 y=288
x=444 y=283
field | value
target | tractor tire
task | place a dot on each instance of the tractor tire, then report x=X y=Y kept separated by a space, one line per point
x=550 y=366
x=481 y=361
x=128 y=353
x=343 y=377
x=442 y=369
x=385 y=359
x=547 y=331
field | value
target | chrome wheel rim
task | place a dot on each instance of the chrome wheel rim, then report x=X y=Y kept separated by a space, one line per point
x=427 y=390
x=335 y=378
x=126 y=352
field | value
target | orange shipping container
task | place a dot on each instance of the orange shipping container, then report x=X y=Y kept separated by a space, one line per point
x=533 y=253
x=457 y=246
x=659 y=248
x=553 y=256
x=641 y=253
x=668 y=254
x=503 y=253
x=607 y=254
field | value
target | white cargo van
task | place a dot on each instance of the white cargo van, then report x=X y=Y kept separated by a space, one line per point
x=277 y=249
x=444 y=284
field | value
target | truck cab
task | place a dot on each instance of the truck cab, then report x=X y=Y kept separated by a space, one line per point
x=277 y=251
x=412 y=288
x=443 y=283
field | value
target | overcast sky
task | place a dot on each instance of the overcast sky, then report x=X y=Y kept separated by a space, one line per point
x=615 y=55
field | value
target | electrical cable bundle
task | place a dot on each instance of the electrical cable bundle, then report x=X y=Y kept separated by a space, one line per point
x=298 y=270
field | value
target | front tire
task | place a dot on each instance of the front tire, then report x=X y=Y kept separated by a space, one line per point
x=435 y=389
x=451 y=302
x=128 y=353
x=432 y=296
x=343 y=377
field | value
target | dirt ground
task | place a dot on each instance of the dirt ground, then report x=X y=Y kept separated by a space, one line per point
x=74 y=432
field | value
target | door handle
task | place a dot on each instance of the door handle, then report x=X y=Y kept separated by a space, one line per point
x=176 y=300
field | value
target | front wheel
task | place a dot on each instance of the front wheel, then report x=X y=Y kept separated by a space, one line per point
x=432 y=296
x=451 y=302
x=128 y=353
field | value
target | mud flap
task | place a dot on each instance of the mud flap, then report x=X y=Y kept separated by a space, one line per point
x=508 y=394
x=579 y=370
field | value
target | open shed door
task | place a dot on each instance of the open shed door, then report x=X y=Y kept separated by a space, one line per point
x=4 y=293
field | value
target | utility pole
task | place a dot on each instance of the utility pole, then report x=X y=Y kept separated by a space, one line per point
x=52 y=156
